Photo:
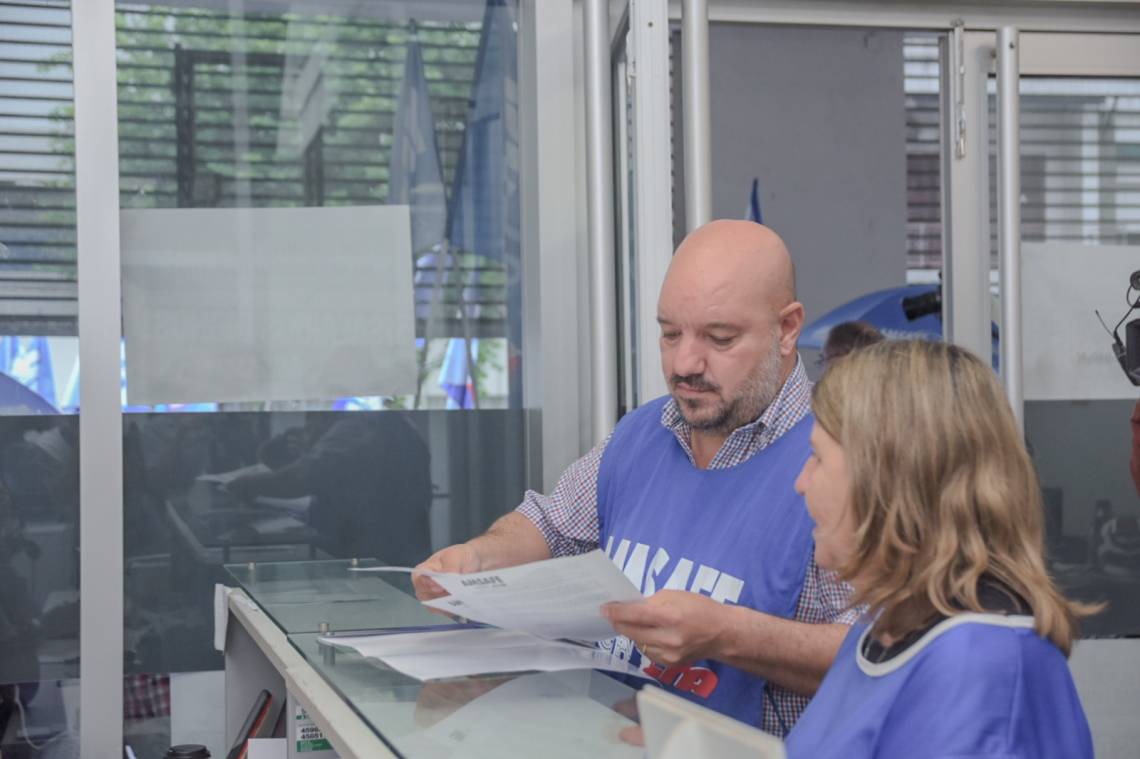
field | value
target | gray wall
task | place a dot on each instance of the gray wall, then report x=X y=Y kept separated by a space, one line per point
x=818 y=116
x=1107 y=675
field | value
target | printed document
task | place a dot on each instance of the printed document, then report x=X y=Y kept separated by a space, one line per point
x=444 y=653
x=557 y=598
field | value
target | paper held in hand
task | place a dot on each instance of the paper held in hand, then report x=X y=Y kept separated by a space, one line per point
x=557 y=598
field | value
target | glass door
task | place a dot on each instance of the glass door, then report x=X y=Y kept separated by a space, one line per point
x=1070 y=166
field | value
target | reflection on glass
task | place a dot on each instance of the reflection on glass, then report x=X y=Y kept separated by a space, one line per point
x=285 y=109
x=39 y=574
x=1078 y=165
x=39 y=465
x=1092 y=505
x=291 y=105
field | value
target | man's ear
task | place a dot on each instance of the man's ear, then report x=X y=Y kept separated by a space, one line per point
x=791 y=324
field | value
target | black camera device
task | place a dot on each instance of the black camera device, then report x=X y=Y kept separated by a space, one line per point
x=1127 y=352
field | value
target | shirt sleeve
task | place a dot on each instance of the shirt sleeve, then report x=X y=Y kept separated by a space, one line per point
x=825 y=599
x=568 y=517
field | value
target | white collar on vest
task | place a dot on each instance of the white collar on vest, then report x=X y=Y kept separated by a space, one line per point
x=885 y=668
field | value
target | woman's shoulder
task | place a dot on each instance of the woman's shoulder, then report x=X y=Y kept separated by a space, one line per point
x=997 y=678
x=983 y=640
x=985 y=645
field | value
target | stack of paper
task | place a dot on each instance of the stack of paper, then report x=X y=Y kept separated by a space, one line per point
x=541 y=608
x=557 y=598
x=444 y=653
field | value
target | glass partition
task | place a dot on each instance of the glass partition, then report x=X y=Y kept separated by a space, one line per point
x=322 y=305
x=1080 y=232
x=39 y=423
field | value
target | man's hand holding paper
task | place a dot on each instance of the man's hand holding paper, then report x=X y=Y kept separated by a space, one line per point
x=557 y=598
x=673 y=626
x=456 y=559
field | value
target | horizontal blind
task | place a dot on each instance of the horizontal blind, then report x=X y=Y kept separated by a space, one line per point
x=37 y=170
x=921 y=82
x=1080 y=160
x=206 y=119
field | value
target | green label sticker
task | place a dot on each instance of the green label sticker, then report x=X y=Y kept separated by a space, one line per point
x=319 y=744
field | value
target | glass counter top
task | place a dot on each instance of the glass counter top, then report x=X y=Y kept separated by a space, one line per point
x=301 y=595
x=572 y=713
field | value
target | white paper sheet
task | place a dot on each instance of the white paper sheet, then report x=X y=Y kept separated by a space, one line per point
x=557 y=598
x=263 y=304
x=298 y=507
x=439 y=654
x=225 y=478
x=221 y=615
x=276 y=525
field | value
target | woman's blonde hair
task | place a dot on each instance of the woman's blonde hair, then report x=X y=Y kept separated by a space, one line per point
x=943 y=491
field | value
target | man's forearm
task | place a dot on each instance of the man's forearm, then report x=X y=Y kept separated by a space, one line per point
x=511 y=540
x=793 y=655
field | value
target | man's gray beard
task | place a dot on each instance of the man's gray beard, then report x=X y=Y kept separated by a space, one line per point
x=757 y=394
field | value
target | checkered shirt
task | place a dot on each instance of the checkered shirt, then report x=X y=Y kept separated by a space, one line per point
x=146 y=696
x=568 y=519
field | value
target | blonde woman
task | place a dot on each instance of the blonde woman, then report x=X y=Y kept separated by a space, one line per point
x=926 y=502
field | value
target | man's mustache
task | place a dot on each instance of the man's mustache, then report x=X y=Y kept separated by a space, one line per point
x=695 y=381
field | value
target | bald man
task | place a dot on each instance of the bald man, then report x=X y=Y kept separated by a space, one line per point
x=692 y=496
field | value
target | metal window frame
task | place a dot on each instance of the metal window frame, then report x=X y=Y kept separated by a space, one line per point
x=1009 y=216
x=647 y=57
x=965 y=192
x=1037 y=16
x=101 y=424
x=600 y=205
x=697 y=122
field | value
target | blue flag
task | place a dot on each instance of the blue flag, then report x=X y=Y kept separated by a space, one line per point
x=484 y=200
x=415 y=177
x=483 y=217
x=454 y=377
x=754 y=203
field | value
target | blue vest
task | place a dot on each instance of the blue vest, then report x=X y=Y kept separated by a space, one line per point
x=740 y=535
x=977 y=690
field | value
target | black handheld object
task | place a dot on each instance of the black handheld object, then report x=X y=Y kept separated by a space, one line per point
x=918 y=306
x=1127 y=351
x=1131 y=361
